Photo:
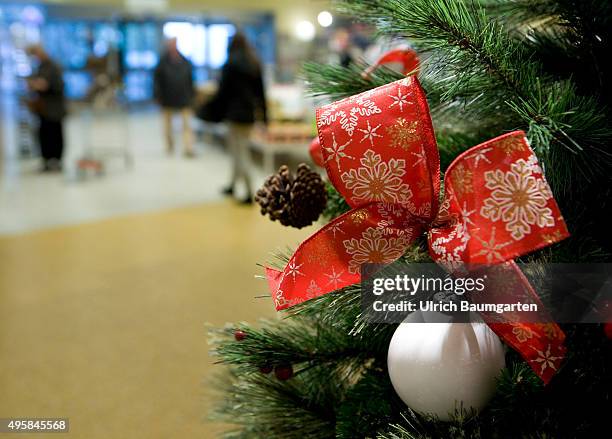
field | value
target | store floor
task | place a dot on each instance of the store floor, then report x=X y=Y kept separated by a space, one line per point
x=30 y=200
x=106 y=283
x=104 y=322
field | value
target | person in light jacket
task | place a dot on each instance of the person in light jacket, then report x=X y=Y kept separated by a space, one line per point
x=174 y=91
x=241 y=101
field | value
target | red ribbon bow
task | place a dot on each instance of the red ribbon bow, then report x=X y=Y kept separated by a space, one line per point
x=408 y=59
x=380 y=153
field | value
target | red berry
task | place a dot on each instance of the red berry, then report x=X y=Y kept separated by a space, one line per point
x=266 y=369
x=283 y=373
x=239 y=335
x=608 y=330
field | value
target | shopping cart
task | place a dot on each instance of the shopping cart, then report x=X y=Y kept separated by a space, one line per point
x=105 y=134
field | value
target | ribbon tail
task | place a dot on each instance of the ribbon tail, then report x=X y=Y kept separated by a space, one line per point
x=534 y=335
x=477 y=232
x=544 y=358
x=331 y=258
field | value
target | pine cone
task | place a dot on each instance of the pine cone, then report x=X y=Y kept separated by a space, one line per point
x=275 y=194
x=294 y=201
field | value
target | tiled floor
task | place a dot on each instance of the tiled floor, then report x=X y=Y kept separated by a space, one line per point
x=106 y=286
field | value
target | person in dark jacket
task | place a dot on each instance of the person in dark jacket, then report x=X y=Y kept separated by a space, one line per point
x=49 y=105
x=174 y=91
x=241 y=99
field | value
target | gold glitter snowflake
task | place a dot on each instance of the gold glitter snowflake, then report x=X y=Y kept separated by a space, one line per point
x=403 y=133
x=374 y=248
x=462 y=179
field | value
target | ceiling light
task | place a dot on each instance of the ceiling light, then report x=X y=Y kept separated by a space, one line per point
x=305 y=30
x=325 y=19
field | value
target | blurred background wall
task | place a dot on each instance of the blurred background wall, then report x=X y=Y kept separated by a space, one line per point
x=124 y=39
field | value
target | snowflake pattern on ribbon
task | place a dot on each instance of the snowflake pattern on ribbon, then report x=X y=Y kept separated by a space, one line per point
x=378 y=180
x=518 y=199
x=353 y=109
x=403 y=133
x=374 y=248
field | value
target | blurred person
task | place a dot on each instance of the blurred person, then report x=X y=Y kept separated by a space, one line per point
x=174 y=91
x=241 y=101
x=49 y=105
x=343 y=45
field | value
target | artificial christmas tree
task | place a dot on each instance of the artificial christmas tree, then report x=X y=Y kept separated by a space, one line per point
x=488 y=68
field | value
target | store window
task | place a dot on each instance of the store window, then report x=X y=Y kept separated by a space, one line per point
x=219 y=36
x=131 y=45
x=141 y=45
x=190 y=38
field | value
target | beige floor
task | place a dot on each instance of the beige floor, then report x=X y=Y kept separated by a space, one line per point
x=104 y=323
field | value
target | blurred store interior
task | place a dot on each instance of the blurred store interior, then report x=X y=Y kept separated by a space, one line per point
x=113 y=264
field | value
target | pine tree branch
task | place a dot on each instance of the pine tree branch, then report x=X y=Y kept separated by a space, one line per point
x=262 y=406
x=300 y=341
x=336 y=204
x=520 y=13
x=565 y=34
x=457 y=28
x=476 y=49
x=369 y=406
x=454 y=131
x=339 y=82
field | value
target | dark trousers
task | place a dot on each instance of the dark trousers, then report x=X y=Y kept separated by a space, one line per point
x=51 y=139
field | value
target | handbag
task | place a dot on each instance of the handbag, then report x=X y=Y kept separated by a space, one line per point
x=211 y=111
x=36 y=105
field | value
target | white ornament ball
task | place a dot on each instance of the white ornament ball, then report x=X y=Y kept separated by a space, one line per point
x=438 y=368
